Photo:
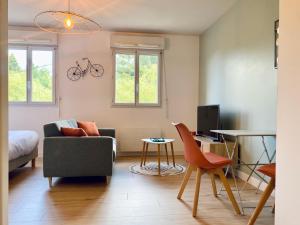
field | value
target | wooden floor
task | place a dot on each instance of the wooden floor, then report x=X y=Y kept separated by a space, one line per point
x=127 y=199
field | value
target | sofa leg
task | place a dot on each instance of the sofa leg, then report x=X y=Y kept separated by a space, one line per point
x=33 y=163
x=107 y=178
x=50 y=181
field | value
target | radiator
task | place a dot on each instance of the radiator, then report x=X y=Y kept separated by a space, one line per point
x=129 y=139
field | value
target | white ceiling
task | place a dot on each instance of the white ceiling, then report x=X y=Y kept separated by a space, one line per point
x=155 y=16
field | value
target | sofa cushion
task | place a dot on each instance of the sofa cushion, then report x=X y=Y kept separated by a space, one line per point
x=66 y=123
x=89 y=127
x=53 y=129
x=73 y=132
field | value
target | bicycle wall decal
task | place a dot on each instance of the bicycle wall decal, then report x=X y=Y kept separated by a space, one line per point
x=77 y=72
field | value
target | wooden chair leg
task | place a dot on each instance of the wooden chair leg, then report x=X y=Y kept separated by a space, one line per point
x=146 y=153
x=213 y=184
x=143 y=154
x=185 y=180
x=229 y=191
x=33 y=163
x=262 y=201
x=50 y=181
x=166 y=148
x=197 y=189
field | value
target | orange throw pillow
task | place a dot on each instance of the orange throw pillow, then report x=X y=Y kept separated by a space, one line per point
x=74 y=132
x=89 y=127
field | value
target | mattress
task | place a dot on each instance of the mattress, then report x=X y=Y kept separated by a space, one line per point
x=22 y=142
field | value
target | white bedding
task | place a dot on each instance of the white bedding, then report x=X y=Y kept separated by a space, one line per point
x=22 y=142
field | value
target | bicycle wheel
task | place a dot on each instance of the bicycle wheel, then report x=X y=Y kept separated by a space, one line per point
x=74 y=73
x=97 y=70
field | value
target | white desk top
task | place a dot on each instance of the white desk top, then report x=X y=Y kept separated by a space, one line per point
x=207 y=140
x=240 y=133
x=148 y=140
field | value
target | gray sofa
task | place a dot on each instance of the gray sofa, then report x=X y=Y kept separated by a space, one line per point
x=77 y=156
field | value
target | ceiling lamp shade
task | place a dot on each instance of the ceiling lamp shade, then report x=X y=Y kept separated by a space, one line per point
x=65 y=22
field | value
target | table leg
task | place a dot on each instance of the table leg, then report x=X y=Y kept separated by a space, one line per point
x=252 y=171
x=158 y=159
x=237 y=189
x=166 y=148
x=146 y=152
x=270 y=161
x=172 y=150
x=143 y=153
x=230 y=155
x=266 y=149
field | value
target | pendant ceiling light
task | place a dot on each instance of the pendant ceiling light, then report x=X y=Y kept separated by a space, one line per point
x=65 y=22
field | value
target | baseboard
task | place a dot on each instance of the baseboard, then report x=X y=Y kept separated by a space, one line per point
x=138 y=153
x=134 y=154
x=254 y=181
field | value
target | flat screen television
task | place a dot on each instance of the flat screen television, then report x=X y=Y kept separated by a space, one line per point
x=208 y=118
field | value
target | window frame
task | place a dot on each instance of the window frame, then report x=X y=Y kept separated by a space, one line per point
x=29 y=49
x=137 y=53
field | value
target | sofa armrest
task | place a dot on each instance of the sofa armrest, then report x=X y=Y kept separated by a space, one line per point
x=77 y=156
x=109 y=132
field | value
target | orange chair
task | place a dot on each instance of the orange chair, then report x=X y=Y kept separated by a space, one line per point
x=269 y=170
x=204 y=163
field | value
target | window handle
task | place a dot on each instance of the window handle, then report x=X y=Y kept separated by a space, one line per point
x=137 y=88
x=28 y=85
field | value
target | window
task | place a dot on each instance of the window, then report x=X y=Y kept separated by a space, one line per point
x=137 y=78
x=17 y=71
x=31 y=74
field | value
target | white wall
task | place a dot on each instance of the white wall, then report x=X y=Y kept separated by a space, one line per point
x=32 y=118
x=237 y=72
x=90 y=98
x=288 y=120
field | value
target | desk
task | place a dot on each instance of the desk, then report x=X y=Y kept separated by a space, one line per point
x=231 y=151
x=217 y=147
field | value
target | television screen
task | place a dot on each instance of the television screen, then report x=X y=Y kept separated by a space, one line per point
x=208 y=118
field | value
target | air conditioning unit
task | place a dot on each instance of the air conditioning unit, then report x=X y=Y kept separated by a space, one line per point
x=137 y=42
x=31 y=37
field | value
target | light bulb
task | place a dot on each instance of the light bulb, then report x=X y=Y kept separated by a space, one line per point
x=68 y=23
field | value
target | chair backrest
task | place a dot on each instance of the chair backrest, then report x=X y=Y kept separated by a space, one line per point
x=192 y=153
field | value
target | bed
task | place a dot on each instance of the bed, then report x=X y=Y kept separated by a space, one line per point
x=23 y=148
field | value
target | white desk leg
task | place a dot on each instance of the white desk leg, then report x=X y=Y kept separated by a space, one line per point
x=270 y=161
x=230 y=156
x=265 y=148
x=252 y=170
x=237 y=189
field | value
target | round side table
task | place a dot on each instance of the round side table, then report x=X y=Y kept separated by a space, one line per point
x=148 y=141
